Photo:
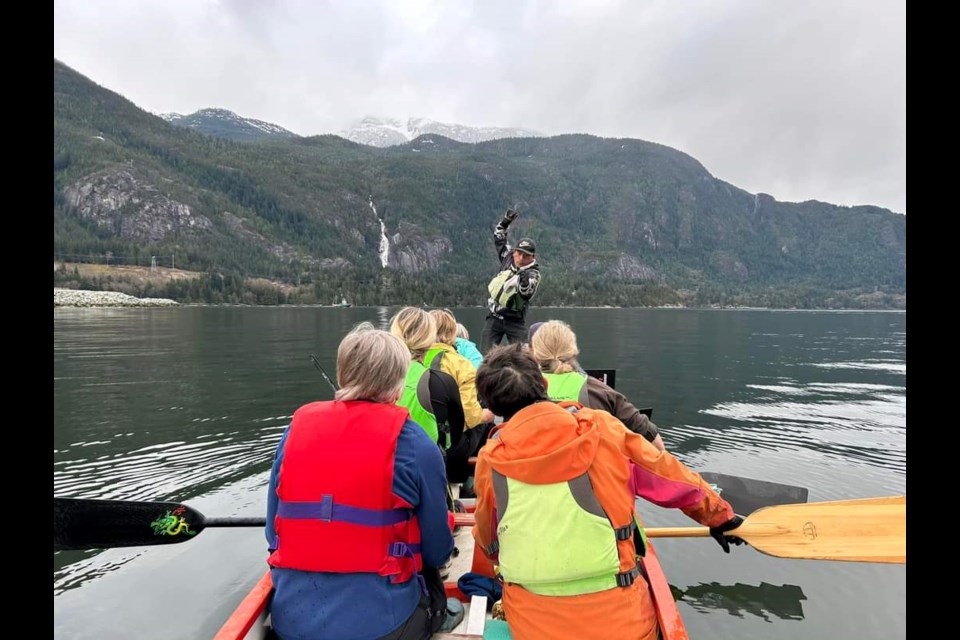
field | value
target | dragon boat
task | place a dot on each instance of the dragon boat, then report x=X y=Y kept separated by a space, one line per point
x=251 y=619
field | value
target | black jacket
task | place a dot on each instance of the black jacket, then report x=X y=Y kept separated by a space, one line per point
x=527 y=279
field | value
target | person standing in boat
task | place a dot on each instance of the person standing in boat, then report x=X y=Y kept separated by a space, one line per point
x=556 y=514
x=511 y=289
x=554 y=345
x=356 y=508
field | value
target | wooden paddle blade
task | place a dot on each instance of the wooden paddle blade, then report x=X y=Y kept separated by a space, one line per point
x=871 y=530
x=100 y=524
x=746 y=495
x=853 y=531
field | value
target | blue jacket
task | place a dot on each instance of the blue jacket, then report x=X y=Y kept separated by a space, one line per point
x=468 y=350
x=359 y=606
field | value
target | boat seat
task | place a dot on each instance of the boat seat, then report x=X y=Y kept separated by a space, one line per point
x=473 y=622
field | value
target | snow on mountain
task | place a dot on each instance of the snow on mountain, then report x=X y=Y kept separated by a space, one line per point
x=387 y=132
x=222 y=123
x=377 y=132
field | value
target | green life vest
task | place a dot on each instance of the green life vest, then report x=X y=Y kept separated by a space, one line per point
x=433 y=357
x=567 y=386
x=416 y=398
x=572 y=552
x=502 y=298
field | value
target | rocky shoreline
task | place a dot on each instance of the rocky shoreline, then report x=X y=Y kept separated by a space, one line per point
x=81 y=298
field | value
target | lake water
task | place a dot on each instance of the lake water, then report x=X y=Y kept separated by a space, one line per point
x=187 y=404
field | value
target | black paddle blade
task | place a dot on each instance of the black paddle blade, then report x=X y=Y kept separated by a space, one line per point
x=746 y=495
x=606 y=376
x=100 y=524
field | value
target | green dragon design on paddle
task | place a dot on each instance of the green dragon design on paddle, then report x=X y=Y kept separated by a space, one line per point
x=171 y=524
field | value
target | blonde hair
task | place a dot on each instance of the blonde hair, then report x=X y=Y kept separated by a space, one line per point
x=446 y=325
x=462 y=332
x=371 y=365
x=416 y=328
x=554 y=346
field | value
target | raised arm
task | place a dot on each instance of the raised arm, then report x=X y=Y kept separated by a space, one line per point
x=500 y=233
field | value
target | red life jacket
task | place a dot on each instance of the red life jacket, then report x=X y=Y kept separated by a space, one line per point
x=337 y=512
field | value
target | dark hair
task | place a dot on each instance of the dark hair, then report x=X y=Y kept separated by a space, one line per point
x=510 y=379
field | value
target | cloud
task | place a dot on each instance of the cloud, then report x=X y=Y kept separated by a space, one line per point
x=798 y=100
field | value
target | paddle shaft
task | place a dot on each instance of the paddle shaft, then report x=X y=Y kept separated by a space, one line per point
x=868 y=530
x=320 y=368
x=234 y=522
x=468 y=520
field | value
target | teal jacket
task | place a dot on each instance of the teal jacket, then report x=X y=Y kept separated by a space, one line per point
x=468 y=350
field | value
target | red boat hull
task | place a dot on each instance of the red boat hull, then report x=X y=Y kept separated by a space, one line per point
x=247 y=620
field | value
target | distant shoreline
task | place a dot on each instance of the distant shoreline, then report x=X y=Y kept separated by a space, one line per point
x=86 y=298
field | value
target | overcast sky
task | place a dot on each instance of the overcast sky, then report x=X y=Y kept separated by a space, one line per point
x=799 y=99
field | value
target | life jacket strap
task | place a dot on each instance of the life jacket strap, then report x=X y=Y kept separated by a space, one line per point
x=403 y=550
x=408 y=550
x=329 y=511
x=627 y=578
x=626 y=532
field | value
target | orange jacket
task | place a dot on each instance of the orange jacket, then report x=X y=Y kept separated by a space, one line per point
x=544 y=444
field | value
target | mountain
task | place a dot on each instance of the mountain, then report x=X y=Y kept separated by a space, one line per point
x=616 y=221
x=221 y=123
x=387 y=132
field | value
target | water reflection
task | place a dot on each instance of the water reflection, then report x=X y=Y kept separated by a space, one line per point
x=74 y=568
x=383 y=318
x=782 y=601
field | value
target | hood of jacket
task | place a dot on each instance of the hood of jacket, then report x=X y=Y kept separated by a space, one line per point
x=544 y=444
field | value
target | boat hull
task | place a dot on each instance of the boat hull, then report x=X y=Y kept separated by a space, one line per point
x=250 y=620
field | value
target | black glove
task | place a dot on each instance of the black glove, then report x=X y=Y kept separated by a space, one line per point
x=510 y=215
x=726 y=541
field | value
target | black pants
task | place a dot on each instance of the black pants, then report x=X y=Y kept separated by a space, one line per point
x=417 y=626
x=496 y=327
x=430 y=613
x=458 y=467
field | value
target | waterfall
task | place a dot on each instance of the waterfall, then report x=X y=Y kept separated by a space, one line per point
x=384 y=248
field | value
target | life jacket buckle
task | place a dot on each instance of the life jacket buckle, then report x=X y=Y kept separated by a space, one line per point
x=627 y=578
x=326 y=508
x=626 y=532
